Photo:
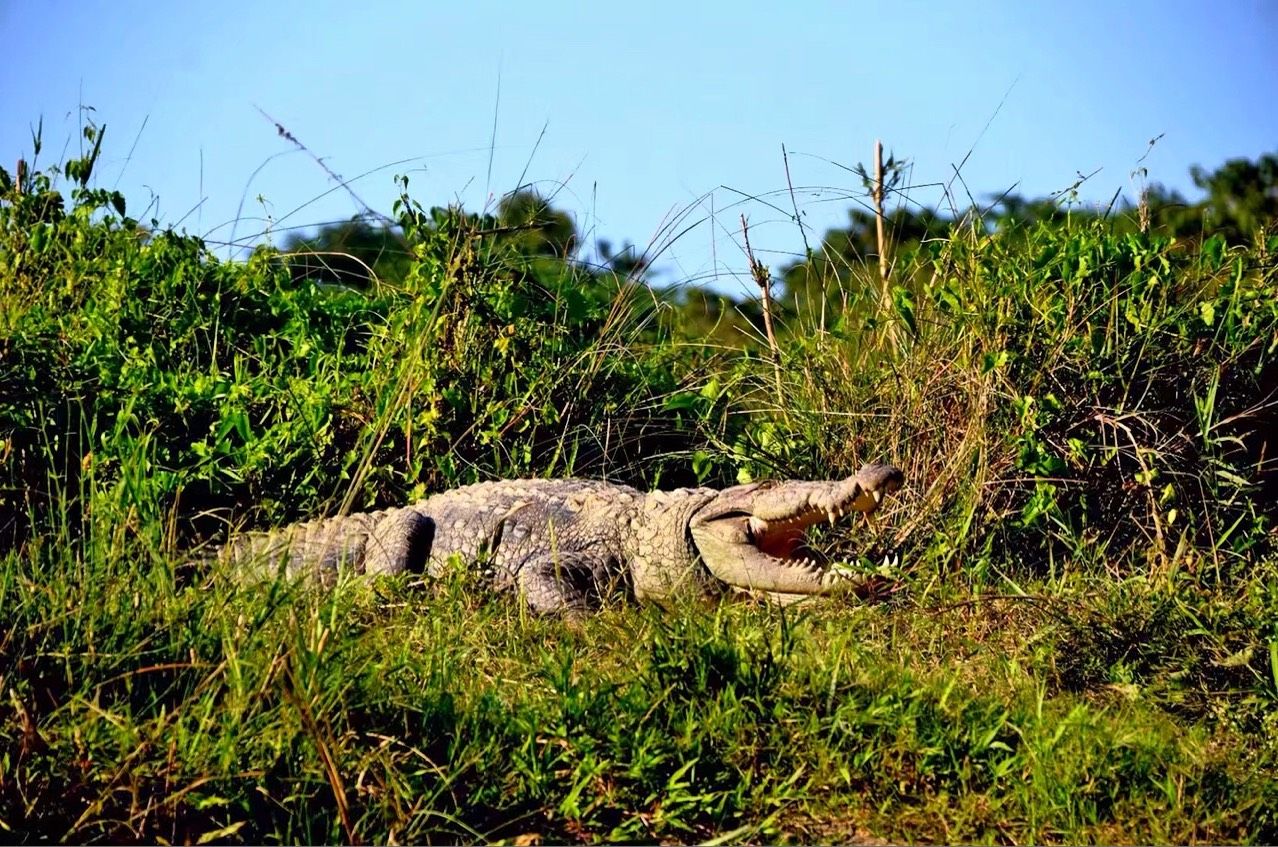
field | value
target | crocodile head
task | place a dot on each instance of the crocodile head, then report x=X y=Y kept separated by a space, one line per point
x=752 y=536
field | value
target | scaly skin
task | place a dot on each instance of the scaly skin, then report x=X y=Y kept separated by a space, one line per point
x=569 y=545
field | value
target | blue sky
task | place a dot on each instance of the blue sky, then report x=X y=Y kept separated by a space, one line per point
x=640 y=117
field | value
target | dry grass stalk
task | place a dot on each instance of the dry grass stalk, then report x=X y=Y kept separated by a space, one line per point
x=763 y=278
x=878 y=213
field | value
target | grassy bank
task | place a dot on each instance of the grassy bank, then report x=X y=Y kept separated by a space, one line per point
x=1084 y=646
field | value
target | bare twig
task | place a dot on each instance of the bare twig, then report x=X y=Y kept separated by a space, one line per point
x=336 y=177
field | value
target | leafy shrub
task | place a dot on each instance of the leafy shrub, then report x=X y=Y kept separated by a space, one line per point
x=209 y=388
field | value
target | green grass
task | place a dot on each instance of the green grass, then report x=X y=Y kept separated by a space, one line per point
x=1084 y=647
x=141 y=710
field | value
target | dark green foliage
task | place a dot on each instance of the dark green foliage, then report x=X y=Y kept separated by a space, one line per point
x=355 y=253
x=1242 y=196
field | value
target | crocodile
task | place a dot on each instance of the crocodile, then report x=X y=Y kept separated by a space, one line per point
x=569 y=545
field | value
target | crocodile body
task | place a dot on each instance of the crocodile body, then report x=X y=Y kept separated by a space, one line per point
x=570 y=545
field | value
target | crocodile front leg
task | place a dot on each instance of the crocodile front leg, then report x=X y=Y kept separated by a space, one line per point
x=568 y=582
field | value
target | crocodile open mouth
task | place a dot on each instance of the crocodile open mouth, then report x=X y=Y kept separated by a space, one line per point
x=755 y=536
x=787 y=538
x=781 y=539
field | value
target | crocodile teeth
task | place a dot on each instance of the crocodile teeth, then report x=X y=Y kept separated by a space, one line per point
x=878 y=496
x=832 y=516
